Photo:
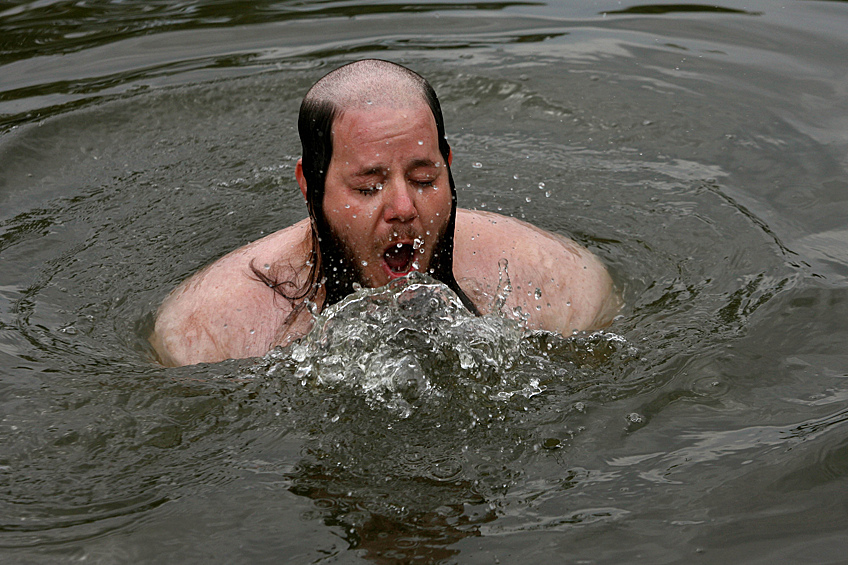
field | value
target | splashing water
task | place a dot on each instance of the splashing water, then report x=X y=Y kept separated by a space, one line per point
x=412 y=344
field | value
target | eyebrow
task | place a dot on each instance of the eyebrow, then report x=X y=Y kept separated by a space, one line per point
x=380 y=170
x=418 y=163
x=369 y=172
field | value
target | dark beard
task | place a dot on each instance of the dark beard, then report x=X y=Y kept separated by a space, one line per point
x=342 y=269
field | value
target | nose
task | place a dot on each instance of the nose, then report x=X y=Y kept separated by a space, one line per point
x=400 y=203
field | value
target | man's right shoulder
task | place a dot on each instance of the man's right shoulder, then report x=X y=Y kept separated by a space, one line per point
x=225 y=310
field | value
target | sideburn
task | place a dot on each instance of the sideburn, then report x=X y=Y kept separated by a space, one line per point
x=338 y=265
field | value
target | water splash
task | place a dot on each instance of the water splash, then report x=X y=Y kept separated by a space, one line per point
x=412 y=347
x=413 y=342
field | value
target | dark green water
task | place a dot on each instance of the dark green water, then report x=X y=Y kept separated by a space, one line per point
x=699 y=149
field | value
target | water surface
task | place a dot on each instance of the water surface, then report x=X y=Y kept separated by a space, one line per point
x=699 y=150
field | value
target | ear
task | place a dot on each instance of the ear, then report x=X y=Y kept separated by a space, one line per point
x=450 y=157
x=301 y=180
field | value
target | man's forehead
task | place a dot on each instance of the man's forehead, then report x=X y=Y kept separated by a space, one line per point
x=363 y=127
x=415 y=108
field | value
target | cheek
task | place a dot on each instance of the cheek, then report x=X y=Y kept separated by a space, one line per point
x=440 y=211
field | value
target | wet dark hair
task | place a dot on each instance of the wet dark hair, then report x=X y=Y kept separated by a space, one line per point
x=327 y=263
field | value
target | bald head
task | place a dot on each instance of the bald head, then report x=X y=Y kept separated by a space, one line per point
x=370 y=82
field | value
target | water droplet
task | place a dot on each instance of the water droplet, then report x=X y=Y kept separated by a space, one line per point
x=420 y=142
x=364 y=263
x=538 y=293
x=541 y=186
x=477 y=165
x=527 y=199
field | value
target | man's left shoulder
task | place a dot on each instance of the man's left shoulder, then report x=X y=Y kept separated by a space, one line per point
x=484 y=238
x=561 y=284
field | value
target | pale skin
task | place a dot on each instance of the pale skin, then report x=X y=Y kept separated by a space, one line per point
x=386 y=185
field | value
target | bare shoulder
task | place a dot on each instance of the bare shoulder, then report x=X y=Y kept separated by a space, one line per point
x=225 y=310
x=560 y=285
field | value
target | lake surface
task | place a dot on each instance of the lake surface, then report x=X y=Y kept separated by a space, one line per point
x=699 y=149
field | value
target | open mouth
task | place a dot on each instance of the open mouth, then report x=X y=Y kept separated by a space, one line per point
x=400 y=257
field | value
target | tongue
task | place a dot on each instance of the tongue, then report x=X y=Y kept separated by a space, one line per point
x=398 y=257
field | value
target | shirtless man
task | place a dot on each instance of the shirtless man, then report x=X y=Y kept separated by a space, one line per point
x=375 y=173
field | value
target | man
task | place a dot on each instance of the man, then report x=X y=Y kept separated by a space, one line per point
x=375 y=173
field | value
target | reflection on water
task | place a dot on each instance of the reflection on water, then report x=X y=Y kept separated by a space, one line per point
x=699 y=150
